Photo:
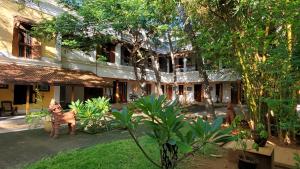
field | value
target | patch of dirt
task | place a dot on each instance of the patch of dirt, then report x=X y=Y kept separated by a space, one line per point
x=209 y=162
x=276 y=141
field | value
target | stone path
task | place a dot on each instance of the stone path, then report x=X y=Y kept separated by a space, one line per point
x=285 y=156
x=13 y=124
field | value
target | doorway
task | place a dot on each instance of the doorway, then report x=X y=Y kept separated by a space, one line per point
x=90 y=92
x=234 y=93
x=197 y=92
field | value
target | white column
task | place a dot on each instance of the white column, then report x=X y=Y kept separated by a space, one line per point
x=118 y=54
x=57 y=93
x=184 y=64
x=168 y=66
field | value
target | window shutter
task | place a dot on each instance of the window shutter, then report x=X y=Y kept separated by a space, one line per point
x=112 y=55
x=15 y=41
x=36 y=49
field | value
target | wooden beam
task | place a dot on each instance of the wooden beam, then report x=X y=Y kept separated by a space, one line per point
x=239 y=91
x=72 y=93
x=117 y=92
x=27 y=107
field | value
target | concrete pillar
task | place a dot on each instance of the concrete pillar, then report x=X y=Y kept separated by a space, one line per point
x=72 y=94
x=56 y=93
x=27 y=106
x=118 y=54
x=168 y=66
x=184 y=64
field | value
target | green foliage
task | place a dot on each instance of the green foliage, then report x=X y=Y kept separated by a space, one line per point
x=91 y=113
x=261 y=130
x=252 y=37
x=166 y=126
x=297 y=161
x=35 y=118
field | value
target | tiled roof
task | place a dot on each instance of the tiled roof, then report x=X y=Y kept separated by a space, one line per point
x=21 y=74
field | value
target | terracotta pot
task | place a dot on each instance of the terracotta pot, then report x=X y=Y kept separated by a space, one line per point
x=47 y=126
x=247 y=164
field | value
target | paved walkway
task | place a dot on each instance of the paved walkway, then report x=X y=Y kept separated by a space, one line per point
x=285 y=156
x=13 y=124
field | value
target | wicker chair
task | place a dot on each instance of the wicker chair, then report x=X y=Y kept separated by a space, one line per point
x=7 y=106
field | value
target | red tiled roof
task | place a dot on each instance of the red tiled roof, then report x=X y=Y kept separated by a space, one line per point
x=21 y=74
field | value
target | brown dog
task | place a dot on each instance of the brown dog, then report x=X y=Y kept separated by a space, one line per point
x=58 y=117
x=230 y=114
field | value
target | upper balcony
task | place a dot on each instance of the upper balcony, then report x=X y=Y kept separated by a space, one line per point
x=82 y=61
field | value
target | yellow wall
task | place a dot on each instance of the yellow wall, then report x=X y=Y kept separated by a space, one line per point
x=8 y=94
x=9 y=9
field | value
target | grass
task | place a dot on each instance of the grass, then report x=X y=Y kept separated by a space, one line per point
x=122 y=154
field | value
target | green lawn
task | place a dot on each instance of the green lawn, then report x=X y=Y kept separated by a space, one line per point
x=122 y=154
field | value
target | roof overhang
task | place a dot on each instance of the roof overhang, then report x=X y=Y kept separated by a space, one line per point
x=27 y=75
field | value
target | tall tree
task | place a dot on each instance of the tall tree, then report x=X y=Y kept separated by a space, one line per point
x=258 y=38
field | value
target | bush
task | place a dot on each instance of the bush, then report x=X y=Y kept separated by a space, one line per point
x=91 y=113
x=35 y=118
x=176 y=138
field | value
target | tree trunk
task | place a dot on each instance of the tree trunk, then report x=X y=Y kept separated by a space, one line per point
x=173 y=65
x=188 y=29
x=169 y=156
x=139 y=63
x=155 y=66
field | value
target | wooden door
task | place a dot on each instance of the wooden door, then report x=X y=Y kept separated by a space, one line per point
x=169 y=92
x=197 y=92
x=234 y=93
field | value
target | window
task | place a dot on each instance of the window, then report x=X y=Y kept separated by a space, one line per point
x=44 y=88
x=24 y=45
x=106 y=52
x=90 y=92
x=180 y=88
x=162 y=89
x=20 y=94
x=148 y=89
x=125 y=56
x=3 y=86
x=163 y=61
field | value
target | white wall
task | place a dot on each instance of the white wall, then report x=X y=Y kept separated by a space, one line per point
x=213 y=92
x=118 y=54
x=226 y=92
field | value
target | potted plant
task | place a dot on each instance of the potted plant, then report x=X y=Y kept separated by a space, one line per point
x=242 y=136
x=245 y=162
x=260 y=135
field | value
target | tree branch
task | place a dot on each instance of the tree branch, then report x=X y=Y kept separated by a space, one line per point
x=143 y=151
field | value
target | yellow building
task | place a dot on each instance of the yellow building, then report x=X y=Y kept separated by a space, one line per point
x=30 y=70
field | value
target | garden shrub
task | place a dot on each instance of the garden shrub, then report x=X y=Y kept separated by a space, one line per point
x=92 y=113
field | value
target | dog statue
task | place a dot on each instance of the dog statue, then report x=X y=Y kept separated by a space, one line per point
x=58 y=117
x=230 y=114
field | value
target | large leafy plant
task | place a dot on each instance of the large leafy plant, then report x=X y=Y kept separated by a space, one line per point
x=91 y=113
x=175 y=137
